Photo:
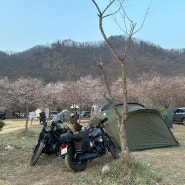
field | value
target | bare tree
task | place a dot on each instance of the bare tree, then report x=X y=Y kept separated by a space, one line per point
x=129 y=29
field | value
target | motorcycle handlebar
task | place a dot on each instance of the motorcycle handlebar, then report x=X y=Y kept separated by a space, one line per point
x=103 y=120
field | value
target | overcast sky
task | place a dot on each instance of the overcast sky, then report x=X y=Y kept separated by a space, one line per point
x=27 y=23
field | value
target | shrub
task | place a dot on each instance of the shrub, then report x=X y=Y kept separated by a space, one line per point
x=2 y=124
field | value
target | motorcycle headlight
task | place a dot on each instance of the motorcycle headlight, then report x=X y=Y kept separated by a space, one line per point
x=47 y=128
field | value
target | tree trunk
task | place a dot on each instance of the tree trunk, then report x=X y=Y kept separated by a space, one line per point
x=26 y=112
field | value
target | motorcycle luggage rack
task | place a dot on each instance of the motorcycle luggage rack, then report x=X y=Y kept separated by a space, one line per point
x=65 y=138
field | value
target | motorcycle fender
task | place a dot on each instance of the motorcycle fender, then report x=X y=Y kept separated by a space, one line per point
x=37 y=145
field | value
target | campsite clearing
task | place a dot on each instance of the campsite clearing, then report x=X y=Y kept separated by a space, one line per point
x=51 y=170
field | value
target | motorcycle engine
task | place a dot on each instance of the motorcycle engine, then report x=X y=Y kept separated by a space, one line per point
x=96 y=144
x=98 y=139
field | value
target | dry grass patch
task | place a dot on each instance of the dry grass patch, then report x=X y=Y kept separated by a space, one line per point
x=164 y=166
x=169 y=161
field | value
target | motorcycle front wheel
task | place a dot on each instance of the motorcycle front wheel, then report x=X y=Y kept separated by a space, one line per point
x=72 y=163
x=36 y=153
x=113 y=150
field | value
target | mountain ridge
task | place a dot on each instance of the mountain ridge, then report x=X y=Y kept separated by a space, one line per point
x=69 y=60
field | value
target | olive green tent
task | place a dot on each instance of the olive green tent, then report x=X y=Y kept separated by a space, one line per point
x=168 y=116
x=145 y=128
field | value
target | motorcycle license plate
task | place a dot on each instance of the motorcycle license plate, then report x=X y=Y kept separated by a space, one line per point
x=64 y=151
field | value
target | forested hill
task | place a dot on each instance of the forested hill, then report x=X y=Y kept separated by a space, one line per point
x=69 y=60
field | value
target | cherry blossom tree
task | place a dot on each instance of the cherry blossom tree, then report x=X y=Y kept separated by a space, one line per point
x=154 y=90
x=117 y=90
x=84 y=92
x=91 y=90
x=48 y=96
x=22 y=94
x=5 y=101
x=62 y=95
x=175 y=89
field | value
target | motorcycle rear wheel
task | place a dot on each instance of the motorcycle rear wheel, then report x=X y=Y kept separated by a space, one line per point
x=36 y=153
x=72 y=163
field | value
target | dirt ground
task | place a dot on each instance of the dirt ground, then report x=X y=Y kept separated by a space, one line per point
x=166 y=161
x=17 y=124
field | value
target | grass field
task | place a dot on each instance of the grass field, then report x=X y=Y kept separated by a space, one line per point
x=163 y=166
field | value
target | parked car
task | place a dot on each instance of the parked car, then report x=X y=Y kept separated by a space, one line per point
x=17 y=115
x=179 y=115
x=2 y=115
x=53 y=114
x=85 y=113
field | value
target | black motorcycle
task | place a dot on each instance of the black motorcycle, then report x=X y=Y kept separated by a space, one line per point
x=48 y=141
x=86 y=145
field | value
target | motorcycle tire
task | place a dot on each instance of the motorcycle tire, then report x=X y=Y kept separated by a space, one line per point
x=71 y=163
x=113 y=150
x=36 y=153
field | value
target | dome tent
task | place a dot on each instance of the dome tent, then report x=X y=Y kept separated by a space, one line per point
x=168 y=115
x=145 y=128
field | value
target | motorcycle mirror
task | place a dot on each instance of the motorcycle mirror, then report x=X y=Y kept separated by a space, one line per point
x=104 y=114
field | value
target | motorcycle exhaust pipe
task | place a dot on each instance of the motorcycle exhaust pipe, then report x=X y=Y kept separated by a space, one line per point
x=89 y=156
